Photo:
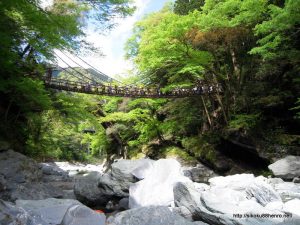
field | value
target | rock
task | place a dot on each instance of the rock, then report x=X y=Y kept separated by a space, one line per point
x=144 y=169
x=237 y=195
x=199 y=174
x=123 y=204
x=126 y=170
x=74 y=169
x=287 y=190
x=50 y=210
x=35 y=191
x=235 y=182
x=113 y=187
x=12 y=215
x=157 y=187
x=296 y=180
x=82 y=215
x=262 y=192
x=286 y=168
x=97 y=189
x=152 y=215
x=52 y=169
x=17 y=168
x=20 y=178
x=293 y=207
x=86 y=189
x=187 y=199
x=184 y=212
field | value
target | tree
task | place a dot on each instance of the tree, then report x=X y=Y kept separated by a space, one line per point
x=29 y=34
x=183 y=7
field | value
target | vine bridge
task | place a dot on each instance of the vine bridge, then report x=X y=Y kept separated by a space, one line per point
x=104 y=88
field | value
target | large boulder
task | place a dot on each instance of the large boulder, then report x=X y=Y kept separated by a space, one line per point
x=51 y=210
x=199 y=174
x=82 y=215
x=157 y=187
x=286 y=168
x=86 y=189
x=233 y=199
x=286 y=190
x=18 y=168
x=152 y=215
x=21 y=178
x=130 y=170
x=52 y=169
x=97 y=189
x=12 y=215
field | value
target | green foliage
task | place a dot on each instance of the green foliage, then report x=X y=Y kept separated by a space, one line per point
x=244 y=121
x=249 y=49
x=279 y=32
x=29 y=35
x=200 y=147
x=183 y=7
x=178 y=153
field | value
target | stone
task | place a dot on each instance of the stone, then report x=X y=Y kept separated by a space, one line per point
x=21 y=178
x=262 y=192
x=50 y=210
x=86 y=189
x=144 y=169
x=127 y=169
x=35 y=191
x=292 y=206
x=110 y=186
x=287 y=190
x=286 y=168
x=236 y=182
x=82 y=215
x=238 y=195
x=199 y=174
x=97 y=189
x=18 y=168
x=123 y=204
x=151 y=215
x=187 y=199
x=157 y=187
x=12 y=215
x=52 y=169
x=74 y=169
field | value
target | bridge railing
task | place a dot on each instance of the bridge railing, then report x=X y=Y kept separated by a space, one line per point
x=126 y=91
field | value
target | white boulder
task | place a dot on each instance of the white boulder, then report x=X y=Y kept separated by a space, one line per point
x=157 y=186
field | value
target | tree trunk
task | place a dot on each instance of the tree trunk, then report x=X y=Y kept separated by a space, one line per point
x=206 y=111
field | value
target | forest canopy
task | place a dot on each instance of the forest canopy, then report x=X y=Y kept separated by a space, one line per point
x=248 y=48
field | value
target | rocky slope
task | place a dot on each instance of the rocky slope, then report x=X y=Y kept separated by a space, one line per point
x=139 y=192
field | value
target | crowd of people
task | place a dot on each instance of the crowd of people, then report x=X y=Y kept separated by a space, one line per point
x=131 y=90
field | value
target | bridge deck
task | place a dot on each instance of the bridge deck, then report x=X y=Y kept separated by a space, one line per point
x=126 y=91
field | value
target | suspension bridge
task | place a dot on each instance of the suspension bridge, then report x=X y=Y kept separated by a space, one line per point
x=99 y=83
x=107 y=88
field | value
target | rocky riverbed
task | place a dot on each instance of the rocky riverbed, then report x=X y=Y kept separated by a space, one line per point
x=144 y=192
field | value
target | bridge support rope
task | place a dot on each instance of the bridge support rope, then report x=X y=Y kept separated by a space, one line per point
x=125 y=91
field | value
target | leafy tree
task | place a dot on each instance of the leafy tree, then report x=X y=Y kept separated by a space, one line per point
x=183 y=7
x=28 y=36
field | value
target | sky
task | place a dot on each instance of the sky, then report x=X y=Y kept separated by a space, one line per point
x=112 y=45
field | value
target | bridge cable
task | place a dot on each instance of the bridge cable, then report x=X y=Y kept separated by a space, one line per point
x=81 y=74
x=98 y=71
x=109 y=78
x=65 y=70
x=61 y=26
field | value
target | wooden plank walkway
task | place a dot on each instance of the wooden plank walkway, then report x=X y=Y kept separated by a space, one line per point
x=127 y=91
